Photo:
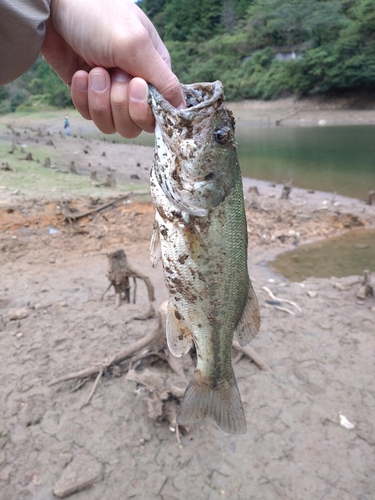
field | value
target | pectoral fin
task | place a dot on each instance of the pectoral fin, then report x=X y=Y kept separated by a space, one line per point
x=249 y=324
x=155 y=250
x=179 y=337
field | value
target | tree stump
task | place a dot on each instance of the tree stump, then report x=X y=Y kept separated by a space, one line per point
x=29 y=157
x=47 y=162
x=12 y=149
x=72 y=168
x=119 y=274
x=370 y=200
x=110 y=181
x=367 y=288
x=6 y=166
x=287 y=188
x=93 y=176
x=253 y=190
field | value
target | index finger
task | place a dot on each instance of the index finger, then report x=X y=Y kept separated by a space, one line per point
x=146 y=61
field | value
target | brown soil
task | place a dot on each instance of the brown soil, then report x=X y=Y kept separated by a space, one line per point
x=321 y=359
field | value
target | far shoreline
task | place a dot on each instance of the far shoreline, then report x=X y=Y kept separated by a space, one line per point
x=302 y=112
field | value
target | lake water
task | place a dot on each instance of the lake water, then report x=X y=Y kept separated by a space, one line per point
x=344 y=255
x=329 y=158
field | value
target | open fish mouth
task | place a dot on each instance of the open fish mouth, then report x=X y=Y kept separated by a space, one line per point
x=198 y=96
x=186 y=145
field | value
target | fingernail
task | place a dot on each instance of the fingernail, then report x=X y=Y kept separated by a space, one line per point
x=121 y=76
x=138 y=92
x=81 y=84
x=98 y=82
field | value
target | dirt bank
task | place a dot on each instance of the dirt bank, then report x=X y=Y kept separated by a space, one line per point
x=320 y=353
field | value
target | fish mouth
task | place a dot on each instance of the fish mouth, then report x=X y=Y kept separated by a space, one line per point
x=198 y=97
x=181 y=135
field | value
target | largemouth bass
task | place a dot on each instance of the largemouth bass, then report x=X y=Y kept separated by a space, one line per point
x=200 y=233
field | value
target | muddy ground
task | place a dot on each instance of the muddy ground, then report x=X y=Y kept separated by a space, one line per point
x=53 y=273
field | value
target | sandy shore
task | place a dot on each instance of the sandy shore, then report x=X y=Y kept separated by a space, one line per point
x=320 y=350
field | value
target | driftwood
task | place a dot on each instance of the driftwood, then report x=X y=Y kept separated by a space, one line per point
x=293 y=113
x=276 y=301
x=70 y=215
x=119 y=274
x=251 y=354
x=153 y=344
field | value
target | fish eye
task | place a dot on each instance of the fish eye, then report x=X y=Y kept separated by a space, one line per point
x=223 y=135
x=209 y=176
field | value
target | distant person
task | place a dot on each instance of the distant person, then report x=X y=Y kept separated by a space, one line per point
x=105 y=51
x=66 y=126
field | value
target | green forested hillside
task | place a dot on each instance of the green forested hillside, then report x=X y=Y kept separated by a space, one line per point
x=258 y=48
x=267 y=48
x=39 y=87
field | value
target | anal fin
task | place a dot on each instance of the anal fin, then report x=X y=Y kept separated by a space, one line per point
x=223 y=404
x=249 y=324
x=179 y=337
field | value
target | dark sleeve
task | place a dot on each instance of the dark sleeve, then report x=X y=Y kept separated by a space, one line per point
x=22 y=31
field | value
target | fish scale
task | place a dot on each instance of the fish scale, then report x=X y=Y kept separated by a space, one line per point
x=200 y=225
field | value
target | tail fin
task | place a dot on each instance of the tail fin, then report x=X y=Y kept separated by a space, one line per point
x=223 y=404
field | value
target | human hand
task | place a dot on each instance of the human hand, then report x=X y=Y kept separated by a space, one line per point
x=106 y=52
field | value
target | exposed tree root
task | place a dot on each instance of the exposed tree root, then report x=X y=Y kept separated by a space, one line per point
x=164 y=392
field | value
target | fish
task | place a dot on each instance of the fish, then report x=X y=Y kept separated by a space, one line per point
x=200 y=235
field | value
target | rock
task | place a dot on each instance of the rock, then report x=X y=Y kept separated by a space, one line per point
x=361 y=293
x=311 y=294
x=61 y=303
x=82 y=472
x=19 y=313
x=39 y=306
x=5 y=473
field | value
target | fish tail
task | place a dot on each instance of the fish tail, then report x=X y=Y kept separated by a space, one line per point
x=222 y=403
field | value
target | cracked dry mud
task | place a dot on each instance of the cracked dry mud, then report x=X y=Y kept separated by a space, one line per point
x=322 y=363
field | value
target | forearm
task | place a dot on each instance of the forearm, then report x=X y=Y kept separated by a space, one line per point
x=22 y=28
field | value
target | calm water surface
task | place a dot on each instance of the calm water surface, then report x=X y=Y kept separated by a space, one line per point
x=330 y=158
x=340 y=256
x=337 y=158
